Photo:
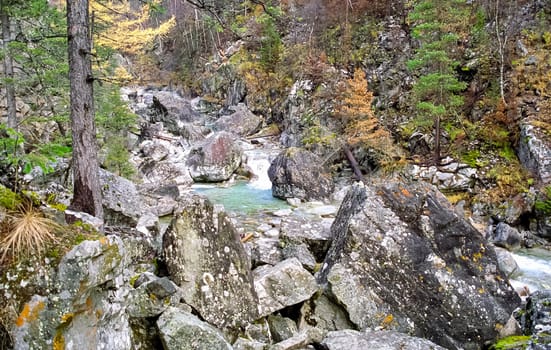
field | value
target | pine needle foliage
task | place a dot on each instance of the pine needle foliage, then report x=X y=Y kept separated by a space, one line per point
x=28 y=232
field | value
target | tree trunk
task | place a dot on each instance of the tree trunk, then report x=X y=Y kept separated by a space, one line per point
x=353 y=163
x=437 y=132
x=8 y=67
x=86 y=188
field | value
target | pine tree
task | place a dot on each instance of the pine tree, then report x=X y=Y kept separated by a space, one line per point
x=437 y=26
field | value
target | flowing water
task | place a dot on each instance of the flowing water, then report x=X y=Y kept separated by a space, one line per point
x=244 y=197
x=535 y=269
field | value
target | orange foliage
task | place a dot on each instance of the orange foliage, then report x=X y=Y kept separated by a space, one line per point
x=361 y=125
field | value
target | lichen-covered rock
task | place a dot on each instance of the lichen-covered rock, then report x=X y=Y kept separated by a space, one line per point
x=205 y=257
x=380 y=340
x=215 y=159
x=315 y=234
x=506 y=261
x=281 y=328
x=282 y=285
x=534 y=153
x=248 y=344
x=151 y=298
x=298 y=173
x=537 y=319
x=403 y=260
x=122 y=204
x=89 y=312
x=89 y=265
x=242 y=121
x=180 y=330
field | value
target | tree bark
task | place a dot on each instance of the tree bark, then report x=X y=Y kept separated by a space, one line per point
x=8 y=67
x=353 y=163
x=437 y=132
x=86 y=187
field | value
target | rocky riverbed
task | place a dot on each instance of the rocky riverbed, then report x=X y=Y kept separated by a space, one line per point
x=361 y=266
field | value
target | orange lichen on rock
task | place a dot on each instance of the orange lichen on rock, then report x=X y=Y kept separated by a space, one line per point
x=30 y=313
x=59 y=342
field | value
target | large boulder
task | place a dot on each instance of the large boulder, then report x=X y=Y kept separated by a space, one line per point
x=88 y=312
x=122 y=204
x=242 y=121
x=180 y=330
x=402 y=259
x=298 y=173
x=380 y=340
x=205 y=257
x=215 y=159
x=534 y=152
x=173 y=111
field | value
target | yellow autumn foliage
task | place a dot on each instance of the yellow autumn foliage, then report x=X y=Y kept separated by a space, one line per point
x=125 y=30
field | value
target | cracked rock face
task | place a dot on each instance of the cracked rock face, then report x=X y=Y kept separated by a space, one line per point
x=282 y=285
x=205 y=257
x=402 y=259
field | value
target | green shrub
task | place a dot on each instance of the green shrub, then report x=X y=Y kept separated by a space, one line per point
x=544 y=205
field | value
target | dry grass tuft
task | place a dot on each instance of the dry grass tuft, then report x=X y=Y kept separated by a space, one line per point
x=28 y=233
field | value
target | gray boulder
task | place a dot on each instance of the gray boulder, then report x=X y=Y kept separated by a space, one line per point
x=242 y=121
x=537 y=319
x=281 y=328
x=534 y=153
x=380 y=340
x=215 y=159
x=298 y=173
x=174 y=172
x=152 y=298
x=180 y=330
x=205 y=257
x=506 y=261
x=325 y=314
x=89 y=310
x=122 y=204
x=506 y=236
x=282 y=285
x=172 y=110
x=316 y=234
x=402 y=259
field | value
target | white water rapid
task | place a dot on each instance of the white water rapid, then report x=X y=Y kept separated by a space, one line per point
x=535 y=269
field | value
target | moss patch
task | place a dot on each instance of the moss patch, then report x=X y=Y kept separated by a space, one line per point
x=513 y=342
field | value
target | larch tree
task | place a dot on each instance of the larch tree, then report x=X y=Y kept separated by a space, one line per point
x=119 y=27
x=362 y=129
x=86 y=188
x=436 y=25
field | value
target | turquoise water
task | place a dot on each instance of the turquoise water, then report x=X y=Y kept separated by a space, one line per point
x=242 y=198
